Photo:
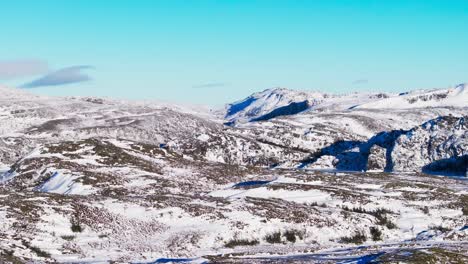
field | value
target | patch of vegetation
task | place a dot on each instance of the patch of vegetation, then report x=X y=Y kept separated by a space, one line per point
x=375 y=233
x=148 y=149
x=440 y=228
x=293 y=234
x=273 y=238
x=463 y=202
x=401 y=184
x=8 y=256
x=274 y=208
x=235 y=242
x=431 y=256
x=68 y=238
x=383 y=220
x=425 y=210
x=290 y=236
x=357 y=238
x=39 y=252
x=76 y=227
x=323 y=205
x=380 y=214
x=64 y=147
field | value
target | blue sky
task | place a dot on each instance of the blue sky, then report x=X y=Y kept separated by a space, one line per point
x=212 y=52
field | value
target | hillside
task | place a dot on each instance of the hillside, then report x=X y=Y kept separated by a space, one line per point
x=87 y=179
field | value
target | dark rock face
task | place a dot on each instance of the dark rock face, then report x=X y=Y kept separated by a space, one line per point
x=456 y=166
x=353 y=160
x=386 y=140
x=439 y=146
x=362 y=156
x=439 y=141
x=291 y=109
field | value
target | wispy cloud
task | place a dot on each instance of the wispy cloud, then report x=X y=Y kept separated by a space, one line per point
x=210 y=85
x=361 y=81
x=63 y=76
x=22 y=68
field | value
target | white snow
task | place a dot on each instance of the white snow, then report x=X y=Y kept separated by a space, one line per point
x=65 y=183
x=453 y=97
x=203 y=137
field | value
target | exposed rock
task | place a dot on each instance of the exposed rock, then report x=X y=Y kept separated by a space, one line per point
x=438 y=146
x=376 y=160
x=324 y=162
x=442 y=142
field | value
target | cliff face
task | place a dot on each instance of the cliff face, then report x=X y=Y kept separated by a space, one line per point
x=438 y=146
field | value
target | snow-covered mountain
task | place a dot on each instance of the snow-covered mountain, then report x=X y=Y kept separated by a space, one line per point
x=277 y=102
x=452 y=97
x=259 y=105
x=86 y=179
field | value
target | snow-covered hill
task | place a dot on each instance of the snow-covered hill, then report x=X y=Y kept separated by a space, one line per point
x=259 y=105
x=86 y=179
x=452 y=97
x=278 y=102
x=100 y=200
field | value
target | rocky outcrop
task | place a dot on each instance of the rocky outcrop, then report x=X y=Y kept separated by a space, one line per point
x=324 y=162
x=377 y=158
x=437 y=144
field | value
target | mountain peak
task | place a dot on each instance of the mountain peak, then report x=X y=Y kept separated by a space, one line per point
x=261 y=104
x=279 y=101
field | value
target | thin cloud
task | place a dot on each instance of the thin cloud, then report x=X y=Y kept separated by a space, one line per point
x=12 y=69
x=361 y=81
x=210 y=85
x=63 y=76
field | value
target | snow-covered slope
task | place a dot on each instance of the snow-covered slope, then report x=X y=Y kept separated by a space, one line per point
x=99 y=180
x=452 y=97
x=263 y=103
x=101 y=200
x=279 y=102
x=439 y=146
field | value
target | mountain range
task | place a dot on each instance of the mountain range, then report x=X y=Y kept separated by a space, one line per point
x=270 y=178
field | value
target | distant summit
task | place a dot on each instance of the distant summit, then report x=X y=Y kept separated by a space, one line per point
x=452 y=97
x=272 y=103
